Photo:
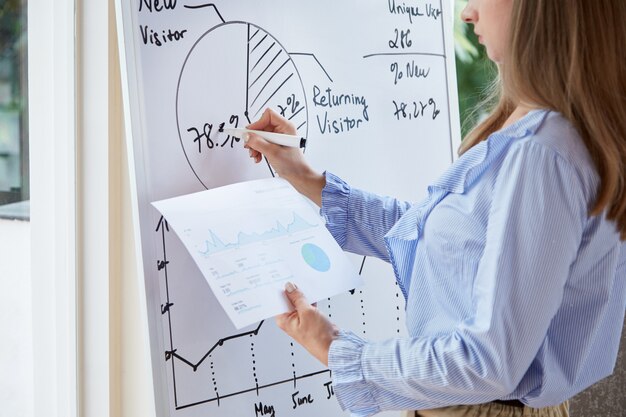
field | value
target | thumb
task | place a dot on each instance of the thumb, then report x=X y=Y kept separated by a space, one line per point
x=296 y=297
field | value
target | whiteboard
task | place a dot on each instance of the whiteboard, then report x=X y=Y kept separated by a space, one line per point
x=369 y=83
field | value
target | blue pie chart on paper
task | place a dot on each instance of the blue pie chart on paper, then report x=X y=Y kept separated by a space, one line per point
x=315 y=257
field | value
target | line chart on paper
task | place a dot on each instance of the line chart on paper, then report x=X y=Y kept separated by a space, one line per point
x=215 y=244
x=263 y=235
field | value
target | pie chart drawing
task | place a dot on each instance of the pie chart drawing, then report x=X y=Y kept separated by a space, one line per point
x=315 y=257
x=232 y=73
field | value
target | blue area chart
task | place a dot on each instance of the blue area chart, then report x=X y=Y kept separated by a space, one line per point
x=315 y=257
x=214 y=244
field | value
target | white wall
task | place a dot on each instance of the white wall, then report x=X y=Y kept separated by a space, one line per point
x=16 y=353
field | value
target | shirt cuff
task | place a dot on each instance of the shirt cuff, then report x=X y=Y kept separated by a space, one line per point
x=335 y=197
x=349 y=385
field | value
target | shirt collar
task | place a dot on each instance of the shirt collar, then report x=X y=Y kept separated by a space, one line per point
x=527 y=125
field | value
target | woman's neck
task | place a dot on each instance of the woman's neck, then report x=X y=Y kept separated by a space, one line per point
x=519 y=112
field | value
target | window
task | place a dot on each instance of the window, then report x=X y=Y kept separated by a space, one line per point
x=14 y=167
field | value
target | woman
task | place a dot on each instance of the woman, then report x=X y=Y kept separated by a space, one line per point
x=514 y=267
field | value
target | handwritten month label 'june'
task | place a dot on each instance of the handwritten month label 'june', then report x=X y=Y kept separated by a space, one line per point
x=249 y=239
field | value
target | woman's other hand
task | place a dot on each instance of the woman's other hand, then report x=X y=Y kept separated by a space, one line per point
x=307 y=326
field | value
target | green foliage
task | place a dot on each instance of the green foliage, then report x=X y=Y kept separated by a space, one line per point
x=13 y=52
x=10 y=24
x=474 y=70
x=465 y=50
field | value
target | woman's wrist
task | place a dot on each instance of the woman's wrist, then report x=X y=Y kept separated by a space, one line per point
x=310 y=183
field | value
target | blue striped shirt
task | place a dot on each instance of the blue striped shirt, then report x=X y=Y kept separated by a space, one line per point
x=512 y=290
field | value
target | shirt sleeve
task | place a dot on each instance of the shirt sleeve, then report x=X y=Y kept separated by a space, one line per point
x=359 y=220
x=534 y=231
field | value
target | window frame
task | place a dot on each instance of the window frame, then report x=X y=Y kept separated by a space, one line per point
x=52 y=154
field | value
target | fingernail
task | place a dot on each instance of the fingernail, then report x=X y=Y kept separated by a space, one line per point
x=246 y=137
x=289 y=287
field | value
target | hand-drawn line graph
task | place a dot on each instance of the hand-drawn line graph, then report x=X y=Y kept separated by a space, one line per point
x=171 y=355
x=176 y=360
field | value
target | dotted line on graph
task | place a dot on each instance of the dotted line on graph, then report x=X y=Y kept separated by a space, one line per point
x=256 y=379
x=329 y=315
x=293 y=365
x=397 y=306
x=362 y=310
x=217 y=394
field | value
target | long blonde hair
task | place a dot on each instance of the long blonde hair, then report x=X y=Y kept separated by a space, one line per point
x=570 y=56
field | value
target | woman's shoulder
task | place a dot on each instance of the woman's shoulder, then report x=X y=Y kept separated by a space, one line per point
x=558 y=134
x=561 y=142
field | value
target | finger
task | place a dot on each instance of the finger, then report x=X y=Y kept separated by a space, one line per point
x=282 y=320
x=272 y=121
x=263 y=123
x=261 y=145
x=280 y=124
x=287 y=322
x=296 y=297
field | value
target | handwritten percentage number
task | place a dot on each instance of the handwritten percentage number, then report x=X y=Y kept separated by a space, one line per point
x=205 y=139
x=292 y=106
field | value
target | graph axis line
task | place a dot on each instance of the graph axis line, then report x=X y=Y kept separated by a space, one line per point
x=260 y=387
x=163 y=226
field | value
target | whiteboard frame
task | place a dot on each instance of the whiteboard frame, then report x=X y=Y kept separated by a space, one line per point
x=134 y=129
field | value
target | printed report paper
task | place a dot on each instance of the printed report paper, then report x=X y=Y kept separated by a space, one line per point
x=250 y=238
